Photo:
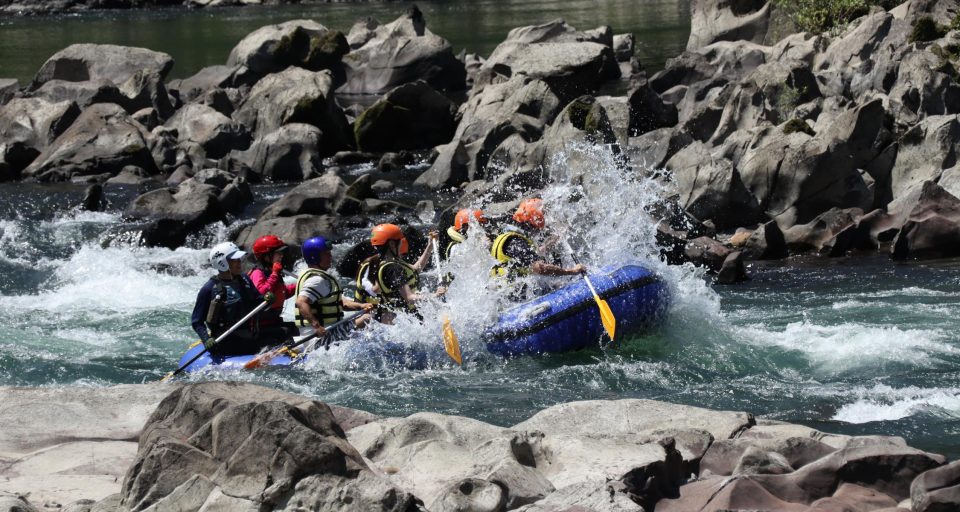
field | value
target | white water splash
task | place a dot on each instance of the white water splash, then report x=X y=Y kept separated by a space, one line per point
x=885 y=403
x=837 y=349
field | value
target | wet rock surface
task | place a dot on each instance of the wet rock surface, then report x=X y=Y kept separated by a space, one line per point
x=244 y=447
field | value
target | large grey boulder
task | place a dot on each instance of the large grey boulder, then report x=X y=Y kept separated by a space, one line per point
x=103 y=139
x=230 y=446
x=796 y=177
x=292 y=230
x=723 y=61
x=558 y=31
x=212 y=77
x=427 y=452
x=303 y=43
x=317 y=196
x=711 y=189
x=401 y=52
x=291 y=153
x=61 y=445
x=8 y=89
x=861 y=60
x=648 y=112
x=27 y=127
x=412 y=116
x=142 y=90
x=923 y=88
x=653 y=149
x=567 y=60
x=937 y=489
x=517 y=110
x=566 y=152
x=296 y=95
x=635 y=418
x=820 y=234
x=941 y=11
x=716 y=20
x=117 y=64
x=924 y=152
x=216 y=133
x=176 y=213
x=932 y=227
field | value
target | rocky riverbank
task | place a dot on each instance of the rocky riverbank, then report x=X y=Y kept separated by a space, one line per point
x=232 y=446
x=763 y=146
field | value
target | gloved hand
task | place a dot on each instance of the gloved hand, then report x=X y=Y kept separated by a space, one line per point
x=269 y=297
x=277 y=267
x=209 y=343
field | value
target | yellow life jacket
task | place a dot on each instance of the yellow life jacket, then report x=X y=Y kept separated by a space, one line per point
x=361 y=294
x=455 y=238
x=505 y=266
x=327 y=309
x=391 y=297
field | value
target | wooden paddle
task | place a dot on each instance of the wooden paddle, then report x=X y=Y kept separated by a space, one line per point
x=267 y=300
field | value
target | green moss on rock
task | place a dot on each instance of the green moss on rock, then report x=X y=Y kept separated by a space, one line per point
x=925 y=29
x=798 y=125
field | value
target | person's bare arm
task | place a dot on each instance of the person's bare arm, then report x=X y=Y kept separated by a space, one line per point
x=546 y=269
x=303 y=304
x=427 y=253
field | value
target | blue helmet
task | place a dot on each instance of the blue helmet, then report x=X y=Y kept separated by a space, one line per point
x=313 y=248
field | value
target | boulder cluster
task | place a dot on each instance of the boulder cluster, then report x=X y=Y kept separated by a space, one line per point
x=763 y=145
x=241 y=447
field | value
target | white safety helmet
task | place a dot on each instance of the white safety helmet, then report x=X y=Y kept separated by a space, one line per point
x=222 y=253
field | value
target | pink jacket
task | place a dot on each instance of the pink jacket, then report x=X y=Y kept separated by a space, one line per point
x=272 y=283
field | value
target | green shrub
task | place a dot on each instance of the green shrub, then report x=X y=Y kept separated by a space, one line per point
x=798 y=125
x=925 y=29
x=818 y=16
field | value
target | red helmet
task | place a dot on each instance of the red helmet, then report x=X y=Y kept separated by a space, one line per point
x=530 y=212
x=463 y=218
x=267 y=244
x=383 y=233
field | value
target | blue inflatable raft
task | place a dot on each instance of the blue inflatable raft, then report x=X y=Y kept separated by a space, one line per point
x=231 y=362
x=568 y=319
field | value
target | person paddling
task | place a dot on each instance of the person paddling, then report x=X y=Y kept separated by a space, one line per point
x=516 y=252
x=267 y=276
x=461 y=224
x=385 y=279
x=223 y=301
x=320 y=300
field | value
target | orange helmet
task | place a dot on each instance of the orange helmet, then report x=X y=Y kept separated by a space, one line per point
x=463 y=218
x=530 y=212
x=383 y=233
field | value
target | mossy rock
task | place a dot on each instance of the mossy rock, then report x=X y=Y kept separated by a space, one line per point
x=586 y=114
x=798 y=125
x=925 y=29
x=412 y=116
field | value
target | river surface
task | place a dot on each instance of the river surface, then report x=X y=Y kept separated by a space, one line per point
x=853 y=345
x=204 y=37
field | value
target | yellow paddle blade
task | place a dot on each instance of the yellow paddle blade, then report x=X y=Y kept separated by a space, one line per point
x=166 y=377
x=450 y=341
x=606 y=317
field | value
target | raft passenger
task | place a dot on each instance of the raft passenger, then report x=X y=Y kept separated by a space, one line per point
x=320 y=300
x=267 y=276
x=225 y=299
x=517 y=253
x=388 y=281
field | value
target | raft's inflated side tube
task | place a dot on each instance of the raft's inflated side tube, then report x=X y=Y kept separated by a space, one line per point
x=233 y=362
x=568 y=319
